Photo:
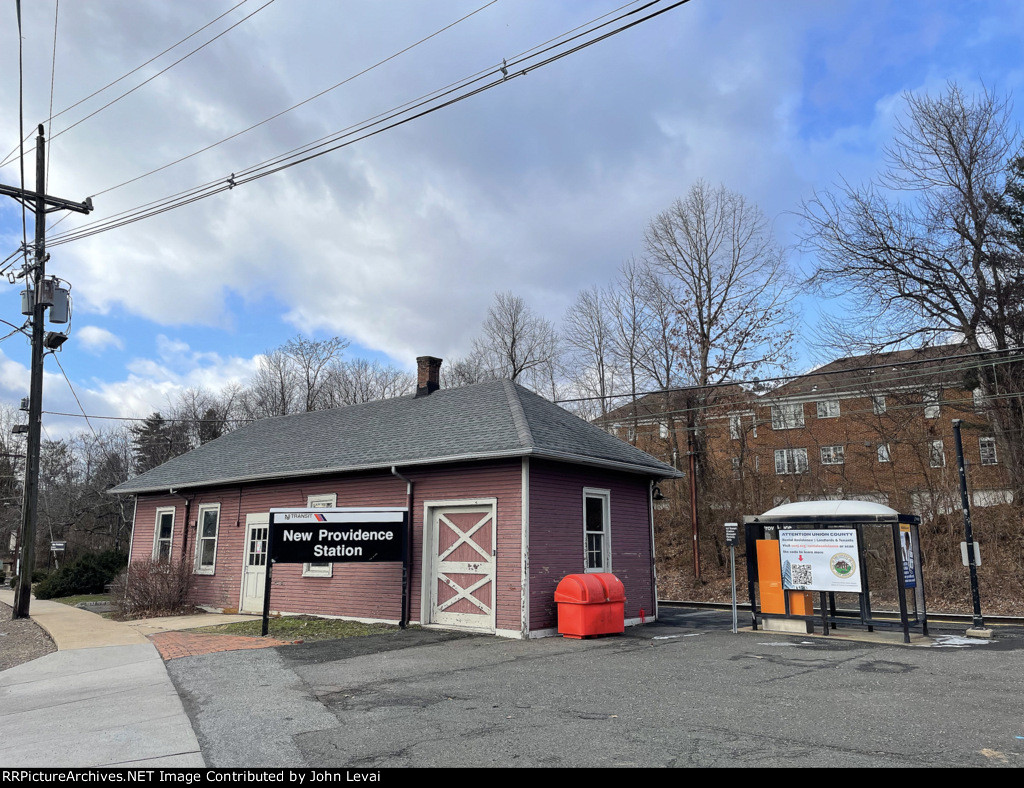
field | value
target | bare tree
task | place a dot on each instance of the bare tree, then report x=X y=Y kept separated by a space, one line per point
x=920 y=252
x=311 y=359
x=517 y=343
x=587 y=334
x=734 y=288
x=359 y=380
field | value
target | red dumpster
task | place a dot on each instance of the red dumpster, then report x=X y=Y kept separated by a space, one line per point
x=591 y=604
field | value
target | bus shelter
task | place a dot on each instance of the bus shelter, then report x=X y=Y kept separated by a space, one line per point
x=800 y=548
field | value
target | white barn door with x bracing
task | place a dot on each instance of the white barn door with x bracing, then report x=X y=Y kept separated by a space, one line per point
x=461 y=576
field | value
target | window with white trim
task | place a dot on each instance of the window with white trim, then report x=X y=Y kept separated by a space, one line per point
x=164 y=534
x=878 y=406
x=790 y=461
x=737 y=468
x=735 y=426
x=320 y=569
x=662 y=430
x=787 y=416
x=828 y=409
x=978 y=397
x=208 y=526
x=833 y=455
x=883 y=452
x=597 y=530
x=936 y=454
x=987 y=447
x=931 y=403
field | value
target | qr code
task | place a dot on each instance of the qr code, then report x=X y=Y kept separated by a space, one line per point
x=801 y=575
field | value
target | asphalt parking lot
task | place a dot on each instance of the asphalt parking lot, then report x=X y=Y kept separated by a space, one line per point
x=685 y=691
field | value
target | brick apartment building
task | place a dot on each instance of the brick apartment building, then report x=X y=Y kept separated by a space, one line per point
x=876 y=428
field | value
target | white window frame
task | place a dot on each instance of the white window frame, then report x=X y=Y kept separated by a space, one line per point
x=987 y=450
x=978 y=398
x=735 y=426
x=882 y=452
x=931 y=399
x=663 y=429
x=325 y=501
x=737 y=468
x=156 y=532
x=788 y=416
x=828 y=408
x=833 y=455
x=878 y=406
x=791 y=461
x=199 y=568
x=606 y=531
x=936 y=454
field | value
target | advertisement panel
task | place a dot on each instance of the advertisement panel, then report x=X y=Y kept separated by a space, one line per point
x=907 y=550
x=820 y=560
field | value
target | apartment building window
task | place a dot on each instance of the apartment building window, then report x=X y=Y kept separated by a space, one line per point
x=737 y=469
x=931 y=404
x=735 y=426
x=936 y=454
x=878 y=404
x=833 y=455
x=883 y=452
x=988 y=451
x=790 y=461
x=662 y=430
x=206 y=543
x=787 y=416
x=828 y=409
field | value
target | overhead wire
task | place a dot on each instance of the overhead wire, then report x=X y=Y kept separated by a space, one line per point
x=187 y=194
x=53 y=74
x=7 y=159
x=74 y=393
x=295 y=106
x=509 y=70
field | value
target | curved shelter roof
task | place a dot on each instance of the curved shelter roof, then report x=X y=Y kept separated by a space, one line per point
x=833 y=511
x=491 y=420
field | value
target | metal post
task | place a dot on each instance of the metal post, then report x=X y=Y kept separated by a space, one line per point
x=269 y=558
x=901 y=589
x=732 y=569
x=979 y=622
x=23 y=592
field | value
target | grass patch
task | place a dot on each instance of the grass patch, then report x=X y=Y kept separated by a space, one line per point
x=307 y=628
x=77 y=598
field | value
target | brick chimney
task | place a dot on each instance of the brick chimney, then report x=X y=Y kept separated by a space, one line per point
x=428 y=379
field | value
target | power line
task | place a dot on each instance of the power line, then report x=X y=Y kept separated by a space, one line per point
x=508 y=71
x=191 y=195
x=296 y=106
x=813 y=373
x=150 y=79
x=53 y=74
x=74 y=393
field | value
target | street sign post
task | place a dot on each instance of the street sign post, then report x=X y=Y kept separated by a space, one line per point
x=732 y=531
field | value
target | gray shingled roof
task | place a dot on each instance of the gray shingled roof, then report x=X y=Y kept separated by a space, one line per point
x=483 y=421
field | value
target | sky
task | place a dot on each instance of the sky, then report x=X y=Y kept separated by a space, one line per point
x=542 y=185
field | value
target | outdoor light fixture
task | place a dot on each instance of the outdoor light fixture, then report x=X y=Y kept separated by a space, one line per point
x=656 y=494
x=54 y=339
x=20 y=429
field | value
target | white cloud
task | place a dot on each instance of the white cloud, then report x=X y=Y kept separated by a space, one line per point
x=95 y=340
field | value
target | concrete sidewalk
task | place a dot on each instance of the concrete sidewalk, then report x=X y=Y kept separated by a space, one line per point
x=103 y=699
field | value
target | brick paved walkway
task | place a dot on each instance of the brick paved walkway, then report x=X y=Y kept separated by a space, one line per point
x=173 y=645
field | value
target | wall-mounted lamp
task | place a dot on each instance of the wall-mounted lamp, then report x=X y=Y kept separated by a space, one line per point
x=656 y=494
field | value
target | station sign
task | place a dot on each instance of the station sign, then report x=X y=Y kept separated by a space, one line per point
x=337 y=535
x=732 y=534
x=820 y=560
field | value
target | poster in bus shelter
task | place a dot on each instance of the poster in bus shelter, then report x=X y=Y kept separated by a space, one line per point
x=825 y=560
x=907 y=551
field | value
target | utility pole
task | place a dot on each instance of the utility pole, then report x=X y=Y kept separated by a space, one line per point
x=40 y=204
x=978 y=626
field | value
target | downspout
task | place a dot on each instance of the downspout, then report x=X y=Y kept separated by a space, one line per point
x=406 y=552
x=188 y=514
x=654 y=567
